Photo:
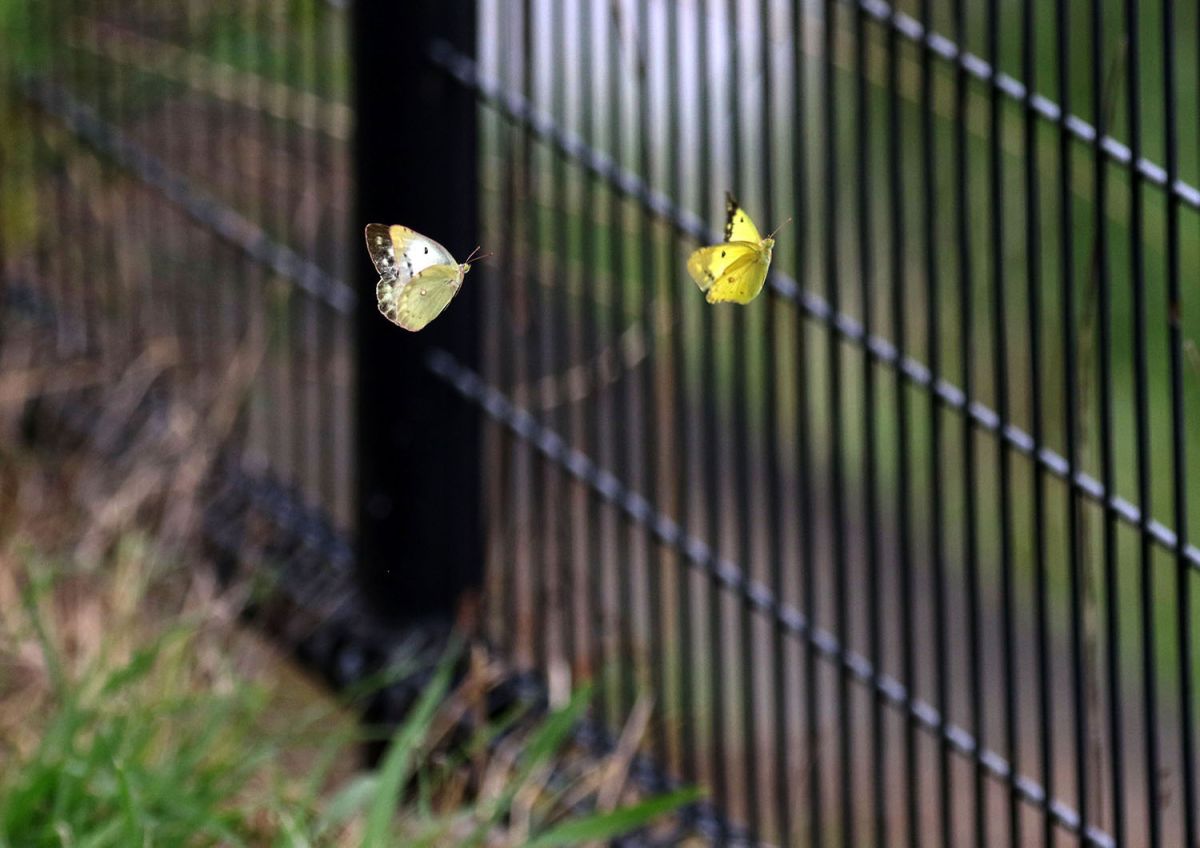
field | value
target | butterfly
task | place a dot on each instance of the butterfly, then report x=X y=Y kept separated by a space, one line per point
x=417 y=276
x=735 y=270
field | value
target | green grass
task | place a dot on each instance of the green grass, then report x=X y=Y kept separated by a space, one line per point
x=133 y=714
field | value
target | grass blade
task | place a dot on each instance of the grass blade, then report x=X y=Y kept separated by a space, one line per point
x=602 y=827
x=402 y=754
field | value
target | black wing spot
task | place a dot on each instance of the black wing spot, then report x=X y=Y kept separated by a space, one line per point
x=731 y=206
x=722 y=254
x=427 y=248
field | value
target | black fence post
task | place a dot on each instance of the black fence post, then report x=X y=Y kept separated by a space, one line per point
x=420 y=542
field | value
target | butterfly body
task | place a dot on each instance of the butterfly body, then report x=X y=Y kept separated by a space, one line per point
x=735 y=270
x=417 y=276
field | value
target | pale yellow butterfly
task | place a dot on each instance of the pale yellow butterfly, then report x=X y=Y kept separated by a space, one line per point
x=417 y=276
x=735 y=270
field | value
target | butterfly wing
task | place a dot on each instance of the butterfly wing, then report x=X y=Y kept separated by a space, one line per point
x=381 y=249
x=741 y=281
x=708 y=265
x=413 y=303
x=738 y=226
x=403 y=253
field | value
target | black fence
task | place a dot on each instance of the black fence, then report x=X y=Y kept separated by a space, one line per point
x=898 y=553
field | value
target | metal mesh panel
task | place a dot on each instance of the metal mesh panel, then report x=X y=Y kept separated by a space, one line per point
x=177 y=178
x=898 y=549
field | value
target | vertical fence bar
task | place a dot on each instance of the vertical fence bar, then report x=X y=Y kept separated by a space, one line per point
x=609 y=529
x=833 y=353
x=553 y=319
x=194 y=164
x=532 y=532
x=668 y=321
x=966 y=351
x=539 y=189
x=1183 y=606
x=72 y=206
x=345 y=336
x=14 y=157
x=648 y=458
x=244 y=306
x=1116 y=728
x=624 y=392
x=316 y=319
x=265 y=52
x=1141 y=378
x=31 y=60
x=712 y=479
x=107 y=284
x=527 y=530
x=308 y=212
x=936 y=505
x=805 y=524
x=592 y=337
x=219 y=348
x=189 y=151
x=287 y=201
x=511 y=450
x=49 y=260
x=741 y=456
x=155 y=311
x=258 y=321
x=1077 y=565
x=563 y=332
x=420 y=541
x=773 y=413
x=1033 y=253
x=871 y=512
x=1003 y=455
x=51 y=200
x=76 y=310
x=682 y=432
x=324 y=152
x=50 y=286
x=897 y=260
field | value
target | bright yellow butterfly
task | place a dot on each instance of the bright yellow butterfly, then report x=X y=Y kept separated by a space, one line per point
x=734 y=271
x=417 y=276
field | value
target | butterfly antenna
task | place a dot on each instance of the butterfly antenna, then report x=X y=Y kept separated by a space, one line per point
x=477 y=256
x=780 y=227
